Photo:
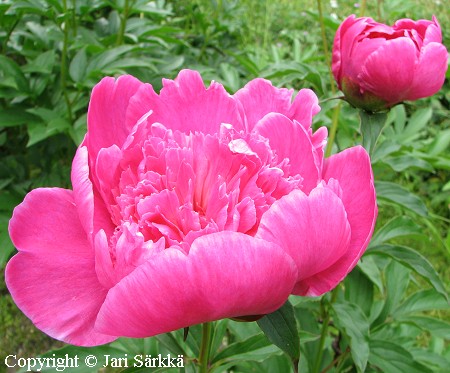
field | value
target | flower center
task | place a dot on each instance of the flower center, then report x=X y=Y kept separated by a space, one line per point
x=177 y=187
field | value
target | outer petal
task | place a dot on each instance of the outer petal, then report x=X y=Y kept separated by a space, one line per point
x=225 y=274
x=52 y=279
x=352 y=169
x=344 y=41
x=185 y=104
x=92 y=211
x=389 y=71
x=433 y=32
x=304 y=107
x=429 y=75
x=259 y=97
x=115 y=107
x=291 y=141
x=314 y=231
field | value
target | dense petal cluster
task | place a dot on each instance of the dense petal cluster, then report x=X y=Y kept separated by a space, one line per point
x=189 y=206
x=378 y=66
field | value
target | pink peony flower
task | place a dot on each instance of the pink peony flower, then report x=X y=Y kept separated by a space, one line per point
x=378 y=66
x=189 y=206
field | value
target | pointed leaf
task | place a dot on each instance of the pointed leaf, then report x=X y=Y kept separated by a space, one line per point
x=400 y=226
x=423 y=300
x=390 y=357
x=253 y=343
x=400 y=196
x=281 y=329
x=411 y=259
x=351 y=319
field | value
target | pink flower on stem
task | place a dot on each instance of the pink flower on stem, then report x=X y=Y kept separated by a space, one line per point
x=378 y=66
x=189 y=206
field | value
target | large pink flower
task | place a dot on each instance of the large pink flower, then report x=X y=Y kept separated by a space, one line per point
x=189 y=206
x=378 y=66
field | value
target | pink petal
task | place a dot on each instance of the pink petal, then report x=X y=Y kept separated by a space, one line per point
x=389 y=71
x=304 y=107
x=351 y=168
x=52 y=279
x=313 y=230
x=346 y=37
x=186 y=105
x=259 y=97
x=92 y=211
x=291 y=141
x=226 y=274
x=433 y=33
x=429 y=75
x=408 y=24
x=361 y=51
x=115 y=107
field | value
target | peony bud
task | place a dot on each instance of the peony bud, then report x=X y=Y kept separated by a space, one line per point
x=378 y=66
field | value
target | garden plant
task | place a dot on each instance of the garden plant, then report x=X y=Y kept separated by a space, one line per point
x=224 y=186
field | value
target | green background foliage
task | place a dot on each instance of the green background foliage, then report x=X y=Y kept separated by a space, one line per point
x=391 y=314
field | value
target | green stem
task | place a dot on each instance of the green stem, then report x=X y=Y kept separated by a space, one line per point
x=363 y=8
x=64 y=63
x=74 y=18
x=335 y=118
x=333 y=129
x=323 y=335
x=205 y=347
x=266 y=25
x=8 y=35
x=325 y=46
x=380 y=18
x=123 y=23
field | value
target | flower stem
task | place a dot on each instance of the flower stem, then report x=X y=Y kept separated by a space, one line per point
x=123 y=23
x=363 y=8
x=337 y=108
x=334 y=125
x=205 y=347
x=65 y=29
x=325 y=45
x=325 y=324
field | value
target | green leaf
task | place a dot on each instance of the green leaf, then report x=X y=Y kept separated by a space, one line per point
x=441 y=143
x=431 y=358
x=371 y=126
x=423 y=300
x=416 y=122
x=351 y=319
x=383 y=149
x=6 y=246
x=40 y=131
x=219 y=332
x=253 y=343
x=397 y=280
x=171 y=343
x=10 y=70
x=359 y=289
x=281 y=329
x=392 y=358
x=400 y=226
x=439 y=328
x=43 y=64
x=394 y=193
x=368 y=266
x=402 y=162
x=78 y=65
x=15 y=116
x=411 y=259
